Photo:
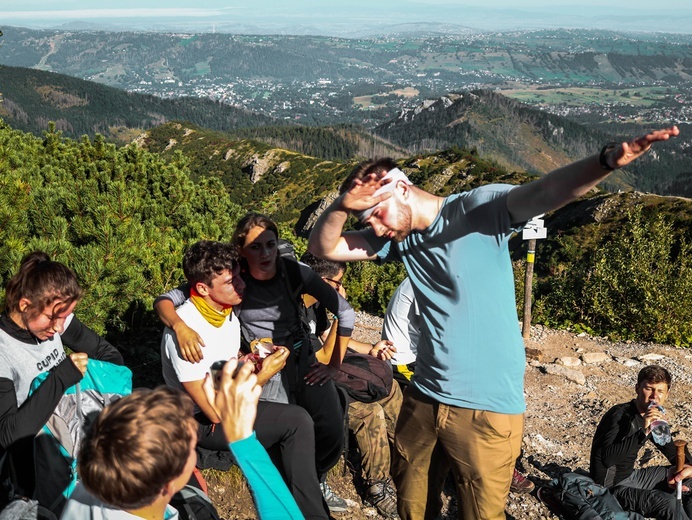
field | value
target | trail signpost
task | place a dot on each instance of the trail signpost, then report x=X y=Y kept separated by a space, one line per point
x=534 y=230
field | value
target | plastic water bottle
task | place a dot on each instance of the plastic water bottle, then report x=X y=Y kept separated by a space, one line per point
x=660 y=429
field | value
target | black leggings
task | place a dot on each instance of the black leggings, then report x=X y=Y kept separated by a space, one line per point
x=287 y=433
x=323 y=405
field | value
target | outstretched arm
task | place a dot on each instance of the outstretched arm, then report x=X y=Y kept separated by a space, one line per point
x=189 y=341
x=565 y=184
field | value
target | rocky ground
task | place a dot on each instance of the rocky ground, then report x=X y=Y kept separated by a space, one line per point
x=571 y=381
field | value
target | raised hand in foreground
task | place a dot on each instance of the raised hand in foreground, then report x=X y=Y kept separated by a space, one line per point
x=236 y=400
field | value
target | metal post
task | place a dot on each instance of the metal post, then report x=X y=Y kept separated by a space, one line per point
x=528 y=281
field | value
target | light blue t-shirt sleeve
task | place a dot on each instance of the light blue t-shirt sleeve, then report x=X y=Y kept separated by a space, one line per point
x=273 y=500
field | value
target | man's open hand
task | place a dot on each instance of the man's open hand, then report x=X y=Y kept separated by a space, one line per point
x=627 y=152
x=360 y=196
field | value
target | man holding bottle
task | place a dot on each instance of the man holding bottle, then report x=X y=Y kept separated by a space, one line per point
x=624 y=429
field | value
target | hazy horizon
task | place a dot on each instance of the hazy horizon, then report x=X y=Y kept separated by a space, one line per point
x=334 y=18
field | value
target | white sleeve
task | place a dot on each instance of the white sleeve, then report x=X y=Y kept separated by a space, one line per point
x=402 y=324
x=184 y=370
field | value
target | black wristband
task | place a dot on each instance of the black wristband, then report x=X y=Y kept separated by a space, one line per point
x=602 y=156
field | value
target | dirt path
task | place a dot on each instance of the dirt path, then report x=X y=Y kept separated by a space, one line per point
x=561 y=414
x=54 y=45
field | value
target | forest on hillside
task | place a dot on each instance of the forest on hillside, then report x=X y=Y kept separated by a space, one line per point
x=122 y=217
x=31 y=99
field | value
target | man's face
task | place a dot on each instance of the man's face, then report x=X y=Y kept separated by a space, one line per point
x=391 y=219
x=226 y=289
x=336 y=282
x=648 y=391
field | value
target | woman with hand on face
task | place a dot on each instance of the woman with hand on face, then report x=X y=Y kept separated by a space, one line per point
x=36 y=323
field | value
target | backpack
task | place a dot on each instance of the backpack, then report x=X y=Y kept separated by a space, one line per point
x=26 y=509
x=365 y=378
x=56 y=446
x=580 y=498
x=287 y=249
x=193 y=504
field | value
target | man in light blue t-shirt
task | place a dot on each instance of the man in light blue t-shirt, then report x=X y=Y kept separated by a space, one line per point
x=466 y=396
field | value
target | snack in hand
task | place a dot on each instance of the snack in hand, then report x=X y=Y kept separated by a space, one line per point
x=255 y=359
x=262 y=347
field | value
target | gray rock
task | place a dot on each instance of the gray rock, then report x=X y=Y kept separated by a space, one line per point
x=571 y=375
x=651 y=357
x=568 y=361
x=628 y=362
x=594 y=358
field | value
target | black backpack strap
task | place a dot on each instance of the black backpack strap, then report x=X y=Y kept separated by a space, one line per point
x=245 y=339
x=293 y=278
x=297 y=366
x=290 y=271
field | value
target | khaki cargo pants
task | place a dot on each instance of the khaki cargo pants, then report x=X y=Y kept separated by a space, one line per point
x=373 y=425
x=479 y=446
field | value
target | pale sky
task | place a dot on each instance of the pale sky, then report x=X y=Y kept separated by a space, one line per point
x=667 y=15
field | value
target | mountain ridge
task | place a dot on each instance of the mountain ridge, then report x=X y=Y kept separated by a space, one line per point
x=31 y=98
x=521 y=137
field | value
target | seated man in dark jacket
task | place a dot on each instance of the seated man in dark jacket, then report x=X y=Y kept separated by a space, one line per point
x=624 y=429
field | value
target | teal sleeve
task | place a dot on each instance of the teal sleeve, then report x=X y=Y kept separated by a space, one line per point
x=272 y=498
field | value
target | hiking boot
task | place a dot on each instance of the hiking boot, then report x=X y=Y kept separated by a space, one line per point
x=547 y=496
x=381 y=495
x=336 y=503
x=520 y=484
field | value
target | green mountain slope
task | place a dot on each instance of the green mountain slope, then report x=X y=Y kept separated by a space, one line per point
x=341 y=142
x=32 y=98
x=257 y=175
x=329 y=80
x=573 y=56
x=616 y=264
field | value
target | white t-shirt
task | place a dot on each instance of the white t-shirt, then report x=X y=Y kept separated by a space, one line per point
x=221 y=343
x=22 y=362
x=402 y=324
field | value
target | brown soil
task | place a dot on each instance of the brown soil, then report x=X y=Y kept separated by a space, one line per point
x=561 y=418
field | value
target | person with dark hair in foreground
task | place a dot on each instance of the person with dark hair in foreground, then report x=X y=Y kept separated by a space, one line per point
x=467 y=394
x=126 y=474
x=622 y=432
